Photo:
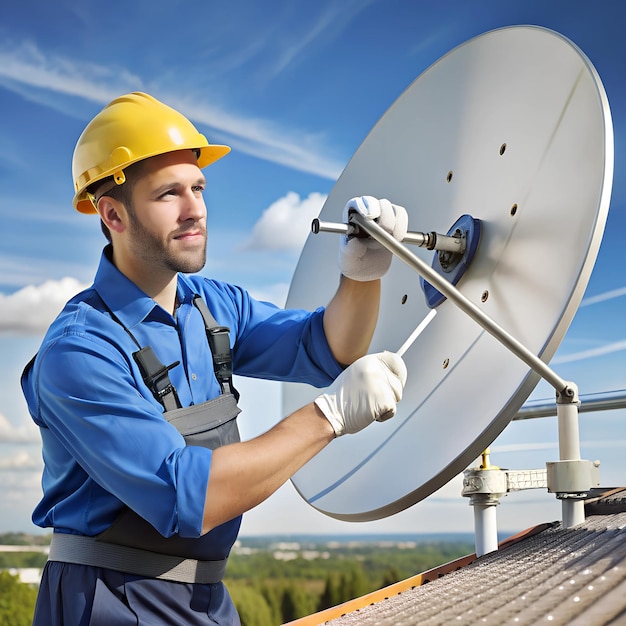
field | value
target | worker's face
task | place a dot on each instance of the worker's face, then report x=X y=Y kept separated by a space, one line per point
x=167 y=221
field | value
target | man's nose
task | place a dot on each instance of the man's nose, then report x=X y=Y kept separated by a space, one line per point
x=193 y=206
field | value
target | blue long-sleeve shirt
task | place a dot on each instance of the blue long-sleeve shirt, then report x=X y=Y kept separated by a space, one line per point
x=105 y=441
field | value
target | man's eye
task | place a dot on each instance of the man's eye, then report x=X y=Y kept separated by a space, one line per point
x=198 y=188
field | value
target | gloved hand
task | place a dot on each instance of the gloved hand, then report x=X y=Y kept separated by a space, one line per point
x=368 y=390
x=363 y=258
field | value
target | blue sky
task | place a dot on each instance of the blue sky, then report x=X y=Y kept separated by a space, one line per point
x=294 y=87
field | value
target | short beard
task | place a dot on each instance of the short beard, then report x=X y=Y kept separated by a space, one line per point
x=155 y=251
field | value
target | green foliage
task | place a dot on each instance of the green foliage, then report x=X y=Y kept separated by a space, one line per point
x=296 y=602
x=21 y=560
x=268 y=592
x=24 y=539
x=391 y=576
x=17 y=601
x=354 y=584
x=273 y=602
x=330 y=596
x=252 y=607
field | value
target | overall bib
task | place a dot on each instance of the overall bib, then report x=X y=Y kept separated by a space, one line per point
x=132 y=545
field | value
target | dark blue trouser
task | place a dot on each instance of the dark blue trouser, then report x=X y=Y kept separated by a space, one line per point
x=80 y=595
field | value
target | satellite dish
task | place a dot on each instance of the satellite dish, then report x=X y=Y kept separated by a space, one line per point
x=512 y=128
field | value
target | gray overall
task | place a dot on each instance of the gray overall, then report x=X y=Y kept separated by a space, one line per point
x=132 y=545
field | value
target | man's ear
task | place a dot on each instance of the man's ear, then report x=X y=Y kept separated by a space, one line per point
x=113 y=214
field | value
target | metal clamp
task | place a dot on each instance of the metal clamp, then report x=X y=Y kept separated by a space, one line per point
x=572 y=479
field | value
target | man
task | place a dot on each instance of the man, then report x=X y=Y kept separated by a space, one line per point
x=145 y=479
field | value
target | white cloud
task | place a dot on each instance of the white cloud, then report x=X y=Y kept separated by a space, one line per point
x=617 y=346
x=286 y=224
x=33 y=308
x=27 y=70
x=26 y=64
x=603 y=297
x=524 y=447
x=294 y=148
x=605 y=443
x=331 y=22
x=29 y=433
x=20 y=461
x=21 y=490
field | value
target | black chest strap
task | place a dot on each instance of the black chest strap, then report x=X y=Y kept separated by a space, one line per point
x=156 y=375
x=219 y=342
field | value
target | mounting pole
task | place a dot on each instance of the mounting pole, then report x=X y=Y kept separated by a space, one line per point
x=572 y=503
x=485 y=528
x=485 y=486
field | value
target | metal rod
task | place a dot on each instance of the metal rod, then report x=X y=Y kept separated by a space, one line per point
x=416 y=333
x=608 y=401
x=432 y=241
x=468 y=307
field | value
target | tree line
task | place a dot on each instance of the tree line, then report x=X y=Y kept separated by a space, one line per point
x=268 y=592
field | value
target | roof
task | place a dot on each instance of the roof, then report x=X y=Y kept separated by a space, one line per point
x=547 y=574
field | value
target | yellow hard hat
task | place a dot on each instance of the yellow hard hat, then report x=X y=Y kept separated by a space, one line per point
x=131 y=128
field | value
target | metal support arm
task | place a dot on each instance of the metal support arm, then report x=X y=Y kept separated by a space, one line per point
x=431 y=240
x=466 y=305
x=566 y=392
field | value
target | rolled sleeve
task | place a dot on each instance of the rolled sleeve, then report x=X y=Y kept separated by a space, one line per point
x=107 y=439
x=193 y=480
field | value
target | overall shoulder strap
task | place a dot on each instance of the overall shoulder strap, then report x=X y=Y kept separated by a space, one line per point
x=219 y=342
x=155 y=375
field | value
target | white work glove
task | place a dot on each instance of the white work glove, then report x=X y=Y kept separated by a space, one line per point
x=366 y=391
x=363 y=258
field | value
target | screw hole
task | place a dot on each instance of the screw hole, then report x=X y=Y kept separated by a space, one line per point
x=502 y=149
x=404 y=299
x=513 y=209
x=449 y=176
x=485 y=296
x=446 y=362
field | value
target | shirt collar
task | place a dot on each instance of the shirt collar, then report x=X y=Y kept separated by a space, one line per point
x=128 y=302
x=185 y=290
